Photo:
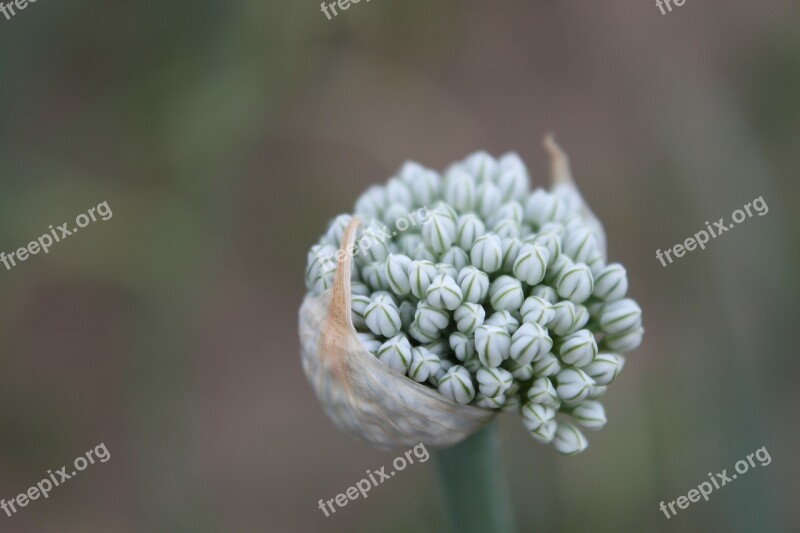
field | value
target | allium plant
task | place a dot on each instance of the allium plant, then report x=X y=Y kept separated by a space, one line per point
x=495 y=294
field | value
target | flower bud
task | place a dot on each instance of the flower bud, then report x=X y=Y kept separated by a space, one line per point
x=511 y=247
x=551 y=241
x=625 y=341
x=420 y=335
x=544 y=433
x=457 y=385
x=530 y=342
x=554 y=271
x=536 y=414
x=420 y=275
x=597 y=392
x=590 y=414
x=612 y=283
x=439 y=347
x=493 y=381
x=375 y=275
x=518 y=371
x=397 y=274
x=383 y=317
x=488 y=200
x=468 y=229
x=474 y=284
x=505 y=293
x=537 y=311
x=563 y=319
x=436 y=378
x=507 y=229
x=397 y=192
x=546 y=293
x=359 y=288
x=371 y=344
x=511 y=210
x=544 y=392
x=512 y=177
x=481 y=165
x=372 y=244
x=569 y=440
x=576 y=283
x=512 y=403
x=431 y=319
x=546 y=366
x=336 y=229
x=531 y=263
x=423 y=183
x=473 y=364
x=394 y=213
x=439 y=232
x=573 y=385
x=407 y=244
x=424 y=364
x=605 y=367
x=444 y=293
x=371 y=204
x=581 y=317
x=459 y=189
x=542 y=207
x=503 y=319
x=422 y=253
x=621 y=316
x=487 y=253
x=493 y=345
x=580 y=244
x=462 y=345
x=469 y=316
x=407 y=312
x=579 y=348
x=456 y=258
x=358 y=306
x=489 y=402
x=396 y=353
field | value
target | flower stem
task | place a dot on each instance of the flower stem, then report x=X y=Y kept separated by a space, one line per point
x=473 y=481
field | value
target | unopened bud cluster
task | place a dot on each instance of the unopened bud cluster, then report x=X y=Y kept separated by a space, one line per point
x=500 y=297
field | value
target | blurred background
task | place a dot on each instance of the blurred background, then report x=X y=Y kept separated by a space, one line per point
x=224 y=136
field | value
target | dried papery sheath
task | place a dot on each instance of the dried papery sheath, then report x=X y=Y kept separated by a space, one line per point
x=486 y=299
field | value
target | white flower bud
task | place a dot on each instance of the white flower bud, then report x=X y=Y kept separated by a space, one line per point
x=542 y=207
x=554 y=271
x=359 y=288
x=444 y=293
x=590 y=414
x=493 y=381
x=512 y=178
x=423 y=183
x=439 y=232
x=407 y=243
x=473 y=364
x=383 y=317
x=569 y=440
x=371 y=344
x=625 y=341
x=554 y=227
x=459 y=189
x=462 y=345
x=481 y=165
x=434 y=379
x=430 y=318
x=621 y=316
x=581 y=317
x=489 y=402
x=397 y=192
x=546 y=293
x=468 y=228
x=511 y=247
x=612 y=283
x=493 y=345
x=474 y=284
x=563 y=319
x=372 y=244
x=573 y=385
x=580 y=244
x=518 y=371
x=508 y=211
x=503 y=319
x=420 y=335
x=576 y=283
x=488 y=200
x=537 y=311
x=530 y=342
x=440 y=347
x=531 y=263
x=375 y=275
x=321 y=260
x=457 y=385
x=544 y=433
x=444 y=269
x=507 y=229
x=597 y=392
x=396 y=353
x=397 y=273
x=358 y=306
x=394 y=213
x=487 y=253
x=371 y=203
x=536 y=414
x=469 y=316
x=505 y=293
x=512 y=403
x=422 y=253
x=420 y=275
x=596 y=264
x=579 y=349
x=549 y=240
x=546 y=366
x=336 y=229
x=544 y=392
x=457 y=258
x=605 y=367
x=424 y=364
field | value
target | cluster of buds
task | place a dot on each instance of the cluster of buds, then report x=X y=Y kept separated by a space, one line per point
x=498 y=297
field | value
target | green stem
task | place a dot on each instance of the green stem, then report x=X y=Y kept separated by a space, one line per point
x=476 y=494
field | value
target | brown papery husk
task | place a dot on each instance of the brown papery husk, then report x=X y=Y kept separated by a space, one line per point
x=362 y=395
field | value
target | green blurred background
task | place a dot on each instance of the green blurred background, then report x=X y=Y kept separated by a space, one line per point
x=224 y=136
